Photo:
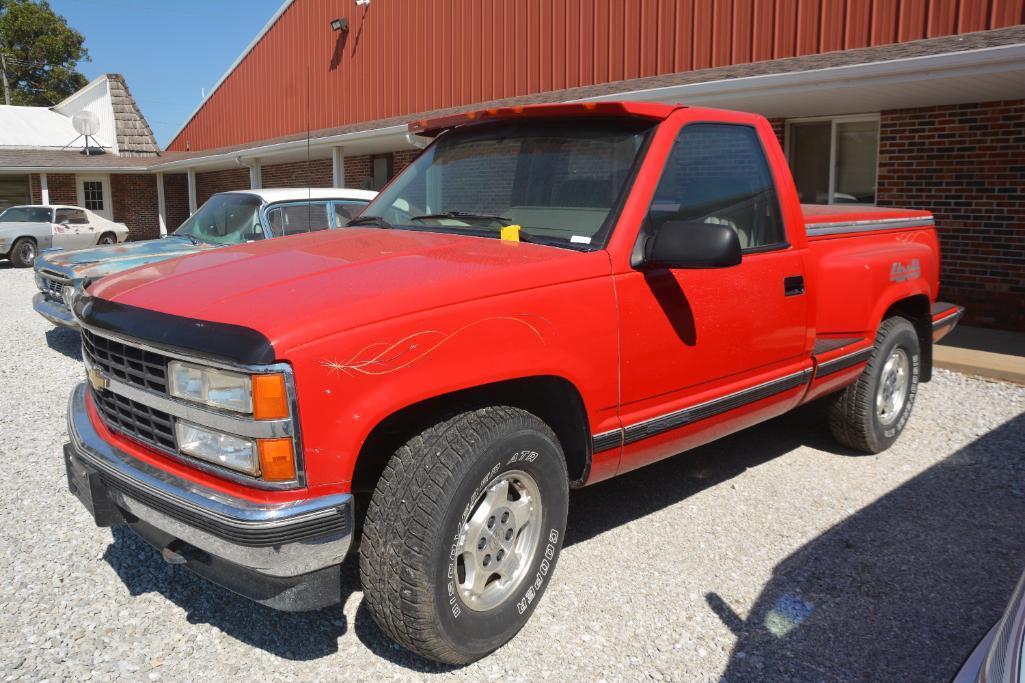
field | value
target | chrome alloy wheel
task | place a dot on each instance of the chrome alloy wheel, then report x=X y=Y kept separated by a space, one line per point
x=27 y=252
x=498 y=540
x=893 y=386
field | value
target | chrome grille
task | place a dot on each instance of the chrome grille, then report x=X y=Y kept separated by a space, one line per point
x=54 y=289
x=136 y=420
x=129 y=364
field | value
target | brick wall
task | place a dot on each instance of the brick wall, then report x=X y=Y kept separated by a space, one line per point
x=313 y=173
x=359 y=171
x=966 y=164
x=212 y=182
x=134 y=200
x=61 y=186
x=404 y=158
x=176 y=199
x=779 y=127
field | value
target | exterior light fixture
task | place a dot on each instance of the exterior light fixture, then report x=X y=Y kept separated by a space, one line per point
x=340 y=24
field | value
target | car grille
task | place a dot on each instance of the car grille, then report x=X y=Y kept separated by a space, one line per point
x=129 y=364
x=54 y=289
x=136 y=420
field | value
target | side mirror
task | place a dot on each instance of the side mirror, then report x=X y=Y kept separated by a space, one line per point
x=681 y=244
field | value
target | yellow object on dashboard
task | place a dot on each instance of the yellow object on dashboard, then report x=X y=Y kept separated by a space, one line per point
x=511 y=233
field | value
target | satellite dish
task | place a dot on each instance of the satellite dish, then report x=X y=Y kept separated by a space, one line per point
x=86 y=123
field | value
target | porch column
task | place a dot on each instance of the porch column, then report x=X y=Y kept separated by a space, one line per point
x=44 y=189
x=338 y=166
x=192 y=191
x=255 y=174
x=161 y=204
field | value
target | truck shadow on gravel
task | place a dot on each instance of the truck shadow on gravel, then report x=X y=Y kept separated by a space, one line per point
x=313 y=635
x=65 y=341
x=903 y=589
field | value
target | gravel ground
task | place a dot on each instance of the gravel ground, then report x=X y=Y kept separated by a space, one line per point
x=770 y=555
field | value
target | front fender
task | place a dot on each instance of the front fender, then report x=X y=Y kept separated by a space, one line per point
x=350 y=382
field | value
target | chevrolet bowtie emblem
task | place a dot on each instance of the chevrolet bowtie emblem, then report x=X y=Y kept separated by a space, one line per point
x=97 y=379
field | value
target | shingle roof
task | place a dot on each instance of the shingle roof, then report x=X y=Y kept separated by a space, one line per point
x=134 y=137
x=71 y=159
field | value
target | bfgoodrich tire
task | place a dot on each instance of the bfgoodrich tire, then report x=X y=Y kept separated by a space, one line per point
x=463 y=532
x=870 y=414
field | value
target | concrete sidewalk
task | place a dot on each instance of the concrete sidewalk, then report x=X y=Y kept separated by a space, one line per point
x=994 y=354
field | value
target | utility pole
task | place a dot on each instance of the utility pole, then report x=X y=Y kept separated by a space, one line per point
x=3 y=72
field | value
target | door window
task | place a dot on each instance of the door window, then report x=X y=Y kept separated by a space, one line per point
x=92 y=195
x=346 y=211
x=834 y=161
x=718 y=173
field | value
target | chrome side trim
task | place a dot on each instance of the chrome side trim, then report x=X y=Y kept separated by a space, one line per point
x=838 y=227
x=701 y=411
x=606 y=440
x=54 y=312
x=843 y=362
x=312 y=533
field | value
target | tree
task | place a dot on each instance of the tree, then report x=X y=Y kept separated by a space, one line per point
x=41 y=53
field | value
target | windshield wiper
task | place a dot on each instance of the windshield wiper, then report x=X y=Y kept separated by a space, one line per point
x=464 y=214
x=369 y=220
x=195 y=241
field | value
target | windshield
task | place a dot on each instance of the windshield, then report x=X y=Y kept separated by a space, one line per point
x=225 y=219
x=26 y=214
x=558 y=180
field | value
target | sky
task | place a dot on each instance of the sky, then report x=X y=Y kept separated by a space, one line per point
x=167 y=50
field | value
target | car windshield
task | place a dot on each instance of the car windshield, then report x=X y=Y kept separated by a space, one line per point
x=558 y=180
x=26 y=214
x=225 y=219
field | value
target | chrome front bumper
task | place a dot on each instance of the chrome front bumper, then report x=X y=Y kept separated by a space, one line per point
x=57 y=313
x=279 y=541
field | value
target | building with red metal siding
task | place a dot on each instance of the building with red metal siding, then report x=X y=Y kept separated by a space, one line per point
x=917 y=103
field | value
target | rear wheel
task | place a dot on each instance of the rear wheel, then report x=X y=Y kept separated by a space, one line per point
x=463 y=532
x=870 y=414
x=23 y=253
x=107 y=238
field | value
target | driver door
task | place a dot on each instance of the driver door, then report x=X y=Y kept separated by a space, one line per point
x=697 y=340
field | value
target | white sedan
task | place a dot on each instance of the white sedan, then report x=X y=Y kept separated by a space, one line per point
x=26 y=230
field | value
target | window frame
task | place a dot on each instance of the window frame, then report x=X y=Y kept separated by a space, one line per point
x=834 y=120
x=267 y=208
x=333 y=213
x=758 y=249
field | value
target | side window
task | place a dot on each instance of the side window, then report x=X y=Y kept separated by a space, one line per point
x=305 y=217
x=717 y=173
x=346 y=211
x=71 y=216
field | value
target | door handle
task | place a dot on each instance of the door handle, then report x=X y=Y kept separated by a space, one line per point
x=793 y=285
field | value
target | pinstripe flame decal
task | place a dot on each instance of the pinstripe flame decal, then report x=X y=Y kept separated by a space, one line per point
x=382 y=358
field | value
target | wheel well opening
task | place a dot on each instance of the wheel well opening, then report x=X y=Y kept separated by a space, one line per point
x=553 y=399
x=916 y=310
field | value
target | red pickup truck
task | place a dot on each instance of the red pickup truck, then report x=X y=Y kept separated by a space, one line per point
x=547 y=297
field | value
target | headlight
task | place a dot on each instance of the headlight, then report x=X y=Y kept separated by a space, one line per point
x=229 y=451
x=210 y=386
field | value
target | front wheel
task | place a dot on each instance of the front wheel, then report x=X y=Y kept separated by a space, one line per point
x=870 y=414
x=23 y=253
x=463 y=532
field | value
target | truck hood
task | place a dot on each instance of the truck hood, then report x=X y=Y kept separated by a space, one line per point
x=302 y=288
x=101 y=261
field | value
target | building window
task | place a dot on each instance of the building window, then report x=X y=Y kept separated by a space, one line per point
x=92 y=191
x=14 y=190
x=834 y=160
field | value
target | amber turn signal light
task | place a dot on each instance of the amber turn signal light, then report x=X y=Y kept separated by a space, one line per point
x=270 y=401
x=277 y=462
